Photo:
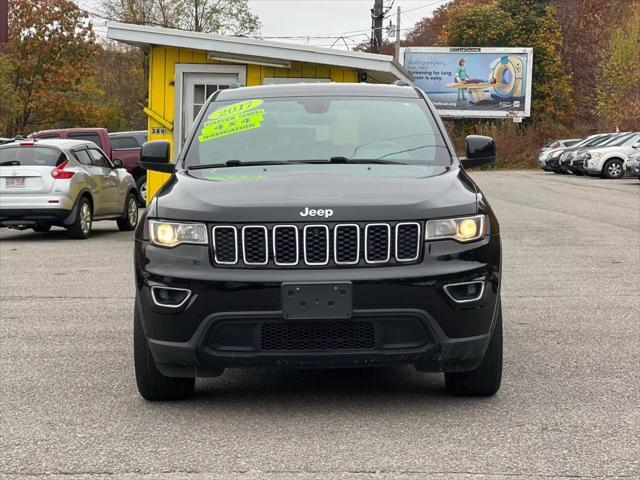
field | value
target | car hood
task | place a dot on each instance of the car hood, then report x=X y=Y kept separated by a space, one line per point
x=350 y=192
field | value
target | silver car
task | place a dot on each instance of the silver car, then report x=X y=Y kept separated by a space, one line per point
x=633 y=163
x=68 y=183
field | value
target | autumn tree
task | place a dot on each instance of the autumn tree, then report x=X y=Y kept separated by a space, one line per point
x=618 y=85
x=123 y=79
x=521 y=23
x=8 y=105
x=50 y=55
x=587 y=26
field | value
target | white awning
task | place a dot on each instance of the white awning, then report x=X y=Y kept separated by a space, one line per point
x=379 y=68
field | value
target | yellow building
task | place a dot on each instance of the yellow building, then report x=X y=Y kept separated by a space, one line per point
x=186 y=67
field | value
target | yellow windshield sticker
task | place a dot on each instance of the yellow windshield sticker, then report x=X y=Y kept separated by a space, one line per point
x=232 y=119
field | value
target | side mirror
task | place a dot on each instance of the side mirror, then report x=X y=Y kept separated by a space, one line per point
x=480 y=150
x=155 y=156
x=117 y=163
x=636 y=146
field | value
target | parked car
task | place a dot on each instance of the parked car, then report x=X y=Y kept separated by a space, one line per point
x=5 y=140
x=571 y=160
x=553 y=161
x=277 y=243
x=126 y=148
x=552 y=146
x=633 y=163
x=66 y=183
x=608 y=161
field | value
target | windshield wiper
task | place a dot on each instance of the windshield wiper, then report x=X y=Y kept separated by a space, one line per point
x=237 y=163
x=241 y=163
x=363 y=160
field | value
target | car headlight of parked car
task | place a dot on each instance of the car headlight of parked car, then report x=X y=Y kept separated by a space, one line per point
x=171 y=234
x=463 y=229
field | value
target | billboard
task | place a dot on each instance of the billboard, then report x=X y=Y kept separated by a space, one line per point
x=473 y=82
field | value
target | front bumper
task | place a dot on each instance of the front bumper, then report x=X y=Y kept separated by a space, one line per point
x=405 y=310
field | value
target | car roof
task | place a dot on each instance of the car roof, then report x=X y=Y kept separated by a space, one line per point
x=318 y=89
x=52 y=142
x=128 y=134
x=70 y=130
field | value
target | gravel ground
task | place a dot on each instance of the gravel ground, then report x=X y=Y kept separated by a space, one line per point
x=569 y=406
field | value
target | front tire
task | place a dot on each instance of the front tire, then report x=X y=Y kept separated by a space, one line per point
x=81 y=227
x=485 y=380
x=613 y=169
x=152 y=384
x=129 y=218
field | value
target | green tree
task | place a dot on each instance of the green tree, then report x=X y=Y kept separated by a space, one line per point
x=8 y=105
x=618 y=85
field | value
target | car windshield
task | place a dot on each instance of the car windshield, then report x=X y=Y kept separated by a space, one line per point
x=619 y=140
x=318 y=129
x=31 y=156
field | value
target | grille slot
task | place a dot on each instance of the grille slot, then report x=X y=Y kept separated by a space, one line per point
x=377 y=243
x=310 y=336
x=254 y=245
x=316 y=244
x=346 y=244
x=225 y=245
x=407 y=241
x=286 y=249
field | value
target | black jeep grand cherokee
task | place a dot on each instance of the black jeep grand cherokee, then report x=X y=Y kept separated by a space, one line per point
x=317 y=226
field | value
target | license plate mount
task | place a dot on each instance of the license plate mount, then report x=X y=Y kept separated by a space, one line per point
x=15 y=182
x=306 y=301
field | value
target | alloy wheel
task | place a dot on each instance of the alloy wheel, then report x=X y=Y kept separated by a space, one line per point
x=85 y=218
x=132 y=211
x=614 y=169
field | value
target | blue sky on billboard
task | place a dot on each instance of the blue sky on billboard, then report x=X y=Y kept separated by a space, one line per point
x=318 y=22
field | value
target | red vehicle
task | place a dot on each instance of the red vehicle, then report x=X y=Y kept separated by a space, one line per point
x=124 y=146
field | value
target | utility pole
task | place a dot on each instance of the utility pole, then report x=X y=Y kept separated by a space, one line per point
x=397 y=50
x=377 y=17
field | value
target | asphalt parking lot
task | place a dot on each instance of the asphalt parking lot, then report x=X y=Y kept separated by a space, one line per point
x=569 y=406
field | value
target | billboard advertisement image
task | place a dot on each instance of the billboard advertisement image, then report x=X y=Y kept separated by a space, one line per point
x=472 y=81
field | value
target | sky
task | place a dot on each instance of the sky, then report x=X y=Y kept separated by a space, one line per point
x=350 y=19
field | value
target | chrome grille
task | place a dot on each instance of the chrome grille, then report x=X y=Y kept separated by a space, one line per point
x=317 y=245
x=225 y=245
x=286 y=247
x=408 y=241
x=254 y=245
x=378 y=243
x=346 y=244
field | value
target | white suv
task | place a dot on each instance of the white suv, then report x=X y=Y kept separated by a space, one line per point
x=609 y=161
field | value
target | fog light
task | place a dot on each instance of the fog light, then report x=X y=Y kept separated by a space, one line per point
x=169 y=297
x=465 y=292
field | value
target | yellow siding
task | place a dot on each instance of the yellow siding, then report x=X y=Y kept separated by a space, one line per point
x=162 y=68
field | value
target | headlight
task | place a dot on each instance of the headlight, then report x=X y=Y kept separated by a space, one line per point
x=170 y=234
x=463 y=229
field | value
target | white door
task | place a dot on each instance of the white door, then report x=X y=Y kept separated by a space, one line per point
x=198 y=87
